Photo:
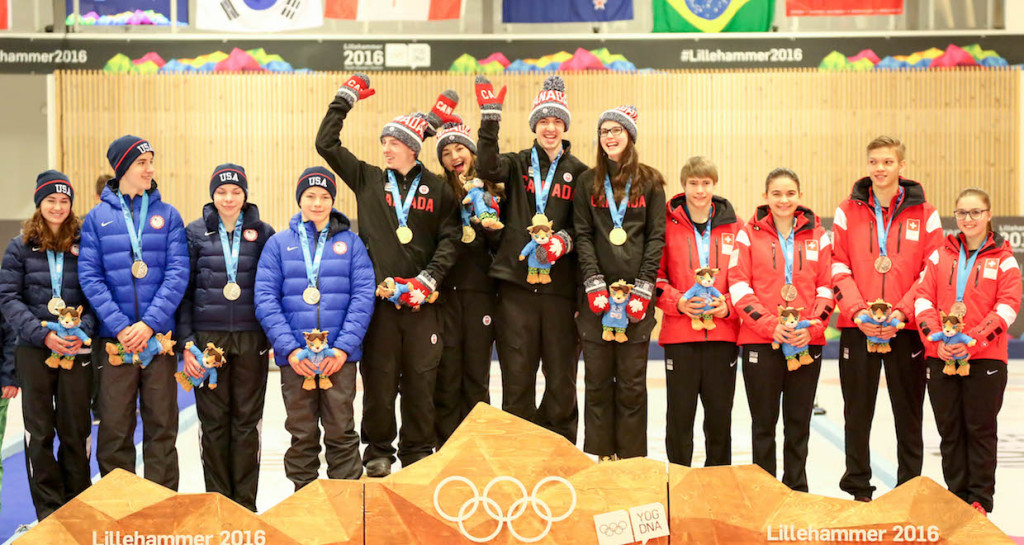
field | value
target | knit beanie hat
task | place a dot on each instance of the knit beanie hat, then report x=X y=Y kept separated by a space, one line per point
x=407 y=129
x=316 y=177
x=124 y=151
x=50 y=182
x=550 y=102
x=626 y=116
x=454 y=133
x=229 y=173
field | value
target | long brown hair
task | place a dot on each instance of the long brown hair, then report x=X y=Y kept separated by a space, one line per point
x=644 y=177
x=35 y=230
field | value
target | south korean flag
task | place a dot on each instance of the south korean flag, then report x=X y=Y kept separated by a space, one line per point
x=259 y=15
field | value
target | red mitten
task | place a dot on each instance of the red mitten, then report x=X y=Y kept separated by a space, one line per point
x=597 y=294
x=421 y=290
x=639 y=300
x=356 y=88
x=489 y=101
x=444 y=109
x=560 y=244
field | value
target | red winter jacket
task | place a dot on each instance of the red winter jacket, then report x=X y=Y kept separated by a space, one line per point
x=679 y=260
x=916 y=231
x=757 y=273
x=992 y=295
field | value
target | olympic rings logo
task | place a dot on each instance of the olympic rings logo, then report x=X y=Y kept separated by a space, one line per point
x=491 y=507
x=615 y=529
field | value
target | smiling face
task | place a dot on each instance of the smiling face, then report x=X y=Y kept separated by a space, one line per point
x=549 y=132
x=613 y=144
x=884 y=167
x=699 y=192
x=783 y=197
x=228 y=199
x=397 y=155
x=139 y=176
x=976 y=216
x=316 y=204
x=55 y=208
x=456 y=158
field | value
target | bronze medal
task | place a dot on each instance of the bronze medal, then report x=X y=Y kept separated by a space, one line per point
x=139 y=269
x=789 y=293
x=959 y=309
x=404 y=234
x=311 y=296
x=883 y=264
x=232 y=291
x=468 y=234
x=55 y=305
x=617 y=236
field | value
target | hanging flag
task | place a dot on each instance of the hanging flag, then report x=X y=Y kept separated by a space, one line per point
x=802 y=8
x=258 y=15
x=5 y=14
x=565 y=11
x=713 y=15
x=394 y=10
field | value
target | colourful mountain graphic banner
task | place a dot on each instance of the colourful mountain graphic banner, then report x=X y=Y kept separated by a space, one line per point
x=803 y=8
x=713 y=15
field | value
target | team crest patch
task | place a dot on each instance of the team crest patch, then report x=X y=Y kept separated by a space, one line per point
x=74 y=249
x=487 y=319
x=250 y=234
x=567 y=177
x=157 y=222
x=340 y=248
x=433 y=339
x=424 y=190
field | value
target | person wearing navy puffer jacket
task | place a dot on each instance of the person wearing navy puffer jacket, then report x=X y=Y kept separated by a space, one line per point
x=39 y=276
x=134 y=267
x=317 y=274
x=219 y=307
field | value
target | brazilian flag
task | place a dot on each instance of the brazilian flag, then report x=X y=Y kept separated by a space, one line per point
x=713 y=15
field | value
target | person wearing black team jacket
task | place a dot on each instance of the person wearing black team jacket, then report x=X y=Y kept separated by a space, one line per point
x=467 y=294
x=402 y=346
x=40 y=266
x=537 y=324
x=219 y=308
x=613 y=247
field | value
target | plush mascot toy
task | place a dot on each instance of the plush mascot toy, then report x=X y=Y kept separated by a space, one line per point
x=391 y=291
x=159 y=344
x=315 y=351
x=704 y=288
x=536 y=252
x=485 y=206
x=211 y=359
x=401 y=291
x=795 y=357
x=952 y=333
x=615 y=320
x=878 y=314
x=68 y=324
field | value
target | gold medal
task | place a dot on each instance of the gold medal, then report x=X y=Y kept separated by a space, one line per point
x=617 y=236
x=139 y=269
x=55 y=305
x=883 y=264
x=468 y=234
x=232 y=291
x=789 y=293
x=311 y=296
x=959 y=309
x=404 y=234
x=539 y=219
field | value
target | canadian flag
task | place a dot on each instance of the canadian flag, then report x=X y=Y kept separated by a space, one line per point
x=5 y=14
x=258 y=15
x=394 y=10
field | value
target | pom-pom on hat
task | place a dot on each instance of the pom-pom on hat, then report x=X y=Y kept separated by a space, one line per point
x=550 y=102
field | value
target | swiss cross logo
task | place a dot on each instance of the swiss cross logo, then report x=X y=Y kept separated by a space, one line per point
x=250 y=234
x=991 y=263
x=340 y=248
x=728 y=239
x=913 y=225
x=812 y=245
x=157 y=222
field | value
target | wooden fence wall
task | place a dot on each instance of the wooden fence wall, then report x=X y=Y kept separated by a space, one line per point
x=960 y=126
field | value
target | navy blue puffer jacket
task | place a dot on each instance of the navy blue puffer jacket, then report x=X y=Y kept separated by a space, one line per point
x=25 y=289
x=104 y=266
x=204 y=307
x=346 y=284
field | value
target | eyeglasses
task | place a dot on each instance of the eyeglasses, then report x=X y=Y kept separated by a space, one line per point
x=614 y=131
x=974 y=214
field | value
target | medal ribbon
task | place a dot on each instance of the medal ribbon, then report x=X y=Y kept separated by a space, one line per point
x=963 y=271
x=542 y=191
x=231 y=250
x=787 y=250
x=402 y=207
x=135 y=234
x=617 y=210
x=883 y=236
x=56 y=262
x=703 y=240
x=313 y=264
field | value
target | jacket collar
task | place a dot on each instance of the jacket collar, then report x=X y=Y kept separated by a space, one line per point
x=994 y=243
x=336 y=224
x=805 y=219
x=723 y=213
x=542 y=156
x=109 y=194
x=250 y=216
x=913 y=193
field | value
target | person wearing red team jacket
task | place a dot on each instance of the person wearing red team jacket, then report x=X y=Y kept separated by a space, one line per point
x=966 y=407
x=783 y=258
x=698 y=362
x=864 y=246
